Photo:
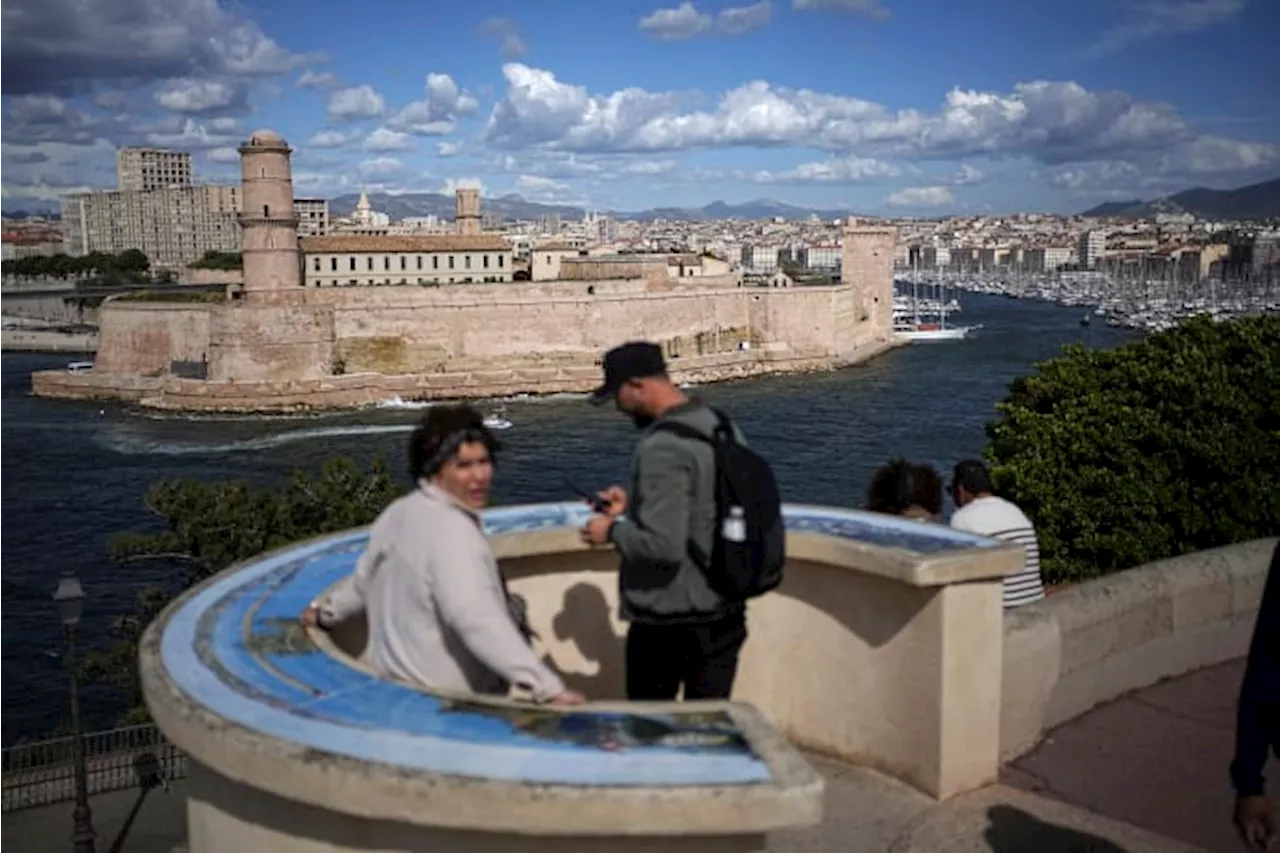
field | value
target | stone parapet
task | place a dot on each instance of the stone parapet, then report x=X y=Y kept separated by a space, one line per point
x=1093 y=642
x=296 y=745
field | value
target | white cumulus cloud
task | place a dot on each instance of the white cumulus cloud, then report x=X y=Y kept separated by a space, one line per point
x=1053 y=123
x=921 y=197
x=685 y=21
x=437 y=113
x=385 y=139
x=356 y=103
x=186 y=95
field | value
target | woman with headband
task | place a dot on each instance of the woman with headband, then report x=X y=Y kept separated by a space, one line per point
x=428 y=582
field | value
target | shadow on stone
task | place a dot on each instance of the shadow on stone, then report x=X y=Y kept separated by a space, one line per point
x=1012 y=830
x=584 y=620
x=874 y=609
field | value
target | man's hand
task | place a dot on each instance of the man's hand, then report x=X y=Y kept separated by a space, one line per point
x=615 y=500
x=596 y=531
x=1255 y=820
x=310 y=618
x=567 y=697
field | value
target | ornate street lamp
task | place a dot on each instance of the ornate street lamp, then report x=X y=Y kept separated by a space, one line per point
x=70 y=600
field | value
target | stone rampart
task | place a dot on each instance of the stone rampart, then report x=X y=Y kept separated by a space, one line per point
x=145 y=338
x=1093 y=642
x=338 y=347
x=364 y=389
x=263 y=343
x=199 y=275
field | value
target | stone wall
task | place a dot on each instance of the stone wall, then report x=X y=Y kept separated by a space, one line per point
x=364 y=389
x=258 y=343
x=194 y=275
x=652 y=267
x=145 y=338
x=503 y=338
x=1094 y=642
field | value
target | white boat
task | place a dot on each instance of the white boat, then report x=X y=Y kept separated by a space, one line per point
x=913 y=317
x=497 y=420
x=80 y=366
x=923 y=334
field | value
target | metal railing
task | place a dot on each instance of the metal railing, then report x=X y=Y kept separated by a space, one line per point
x=42 y=773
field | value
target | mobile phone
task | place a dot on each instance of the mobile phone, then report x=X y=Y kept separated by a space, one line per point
x=590 y=497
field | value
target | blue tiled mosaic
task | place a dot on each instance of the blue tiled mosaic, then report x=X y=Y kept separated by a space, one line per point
x=237 y=648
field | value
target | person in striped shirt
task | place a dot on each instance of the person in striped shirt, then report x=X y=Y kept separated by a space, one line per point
x=980 y=511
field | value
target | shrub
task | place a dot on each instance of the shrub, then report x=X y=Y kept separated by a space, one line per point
x=1161 y=447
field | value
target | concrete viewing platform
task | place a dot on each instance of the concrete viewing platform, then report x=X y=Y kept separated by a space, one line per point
x=1106 y=778
x=295 y=745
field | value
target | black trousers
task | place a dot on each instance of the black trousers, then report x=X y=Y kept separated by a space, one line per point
x=702 y=658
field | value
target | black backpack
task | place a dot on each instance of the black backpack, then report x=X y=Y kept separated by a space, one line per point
x=749 y=545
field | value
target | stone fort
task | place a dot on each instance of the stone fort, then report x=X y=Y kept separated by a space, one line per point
x=278 y=343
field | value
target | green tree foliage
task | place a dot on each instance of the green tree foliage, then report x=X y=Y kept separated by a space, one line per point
x=215 y=260
x=210 y=526
x=1161 y=447
x=130 y=262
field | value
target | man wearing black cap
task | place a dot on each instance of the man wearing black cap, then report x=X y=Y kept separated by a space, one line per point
x=682 y=633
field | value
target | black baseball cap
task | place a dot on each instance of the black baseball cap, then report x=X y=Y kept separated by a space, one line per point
x=632 y=360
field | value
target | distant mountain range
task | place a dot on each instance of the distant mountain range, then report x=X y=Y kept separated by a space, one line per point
x=1256 y=201
x=513 y=206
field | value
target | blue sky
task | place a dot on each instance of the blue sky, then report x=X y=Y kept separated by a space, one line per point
x=907 y=107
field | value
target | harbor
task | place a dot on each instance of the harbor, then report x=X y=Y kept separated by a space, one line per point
x=1139 y=300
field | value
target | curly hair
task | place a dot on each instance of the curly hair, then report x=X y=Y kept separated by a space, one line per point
x=446 y=424
x=899 y=485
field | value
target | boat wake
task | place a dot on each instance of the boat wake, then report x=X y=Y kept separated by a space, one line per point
x=126 y=443
x=397 y=402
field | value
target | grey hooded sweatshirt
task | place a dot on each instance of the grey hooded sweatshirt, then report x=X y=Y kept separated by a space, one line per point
x=671 y=503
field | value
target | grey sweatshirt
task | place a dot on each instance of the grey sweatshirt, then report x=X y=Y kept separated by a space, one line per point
x=429 y=586
x=671 y=502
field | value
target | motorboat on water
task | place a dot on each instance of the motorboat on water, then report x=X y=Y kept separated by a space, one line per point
x=498 y=420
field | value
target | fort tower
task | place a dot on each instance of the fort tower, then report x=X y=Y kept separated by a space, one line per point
x=466 y=216
x=270 y=228
x=867 y=265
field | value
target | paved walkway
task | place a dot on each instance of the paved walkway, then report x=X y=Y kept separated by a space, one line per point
x=1157 y=759
x=1144 y=774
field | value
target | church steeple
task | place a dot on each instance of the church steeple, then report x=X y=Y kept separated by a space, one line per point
x=364 y=211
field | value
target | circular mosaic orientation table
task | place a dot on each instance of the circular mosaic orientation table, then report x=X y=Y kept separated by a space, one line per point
x=232 y=677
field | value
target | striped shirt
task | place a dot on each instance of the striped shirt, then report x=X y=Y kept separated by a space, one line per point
x=997 y=518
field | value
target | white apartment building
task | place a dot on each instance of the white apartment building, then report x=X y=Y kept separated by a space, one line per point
x=1092 y=247
x=1048 y=258
x=347 y=260
x=313 y=216
x=760 y=260
x=172 y=226
x=599 y=227
x=822 y=256
x=152 y=168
